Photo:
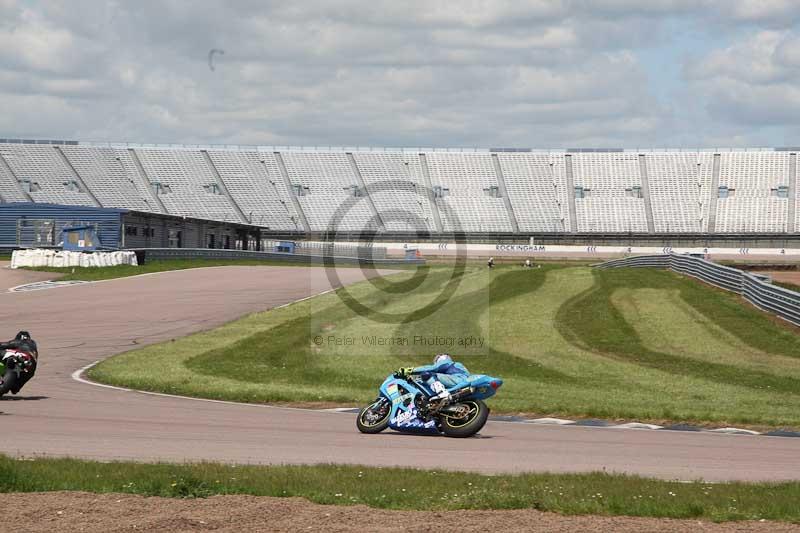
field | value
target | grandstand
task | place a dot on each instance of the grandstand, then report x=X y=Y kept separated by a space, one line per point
x=497 y=192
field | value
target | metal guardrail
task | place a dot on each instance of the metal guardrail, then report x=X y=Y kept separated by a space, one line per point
x=756 y=289
x=652 y=261
x=335 y=249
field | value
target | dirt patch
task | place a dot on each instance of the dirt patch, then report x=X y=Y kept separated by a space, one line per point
x=79 y=511
x=785 y=276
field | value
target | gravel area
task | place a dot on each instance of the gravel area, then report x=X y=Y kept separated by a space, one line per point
x=78 y=511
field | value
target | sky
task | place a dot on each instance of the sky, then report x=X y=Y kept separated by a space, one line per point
x=465 y=73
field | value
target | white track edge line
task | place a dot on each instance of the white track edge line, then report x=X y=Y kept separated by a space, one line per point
x=121 y=278
x=78 y=376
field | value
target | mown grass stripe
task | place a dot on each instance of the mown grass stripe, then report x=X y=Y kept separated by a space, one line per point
x=593 y=322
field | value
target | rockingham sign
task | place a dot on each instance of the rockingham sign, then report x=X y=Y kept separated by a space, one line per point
x=520 y=248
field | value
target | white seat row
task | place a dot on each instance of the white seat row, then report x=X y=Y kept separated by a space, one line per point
x=537 y=189
x=608 y=206
x=680 y=190
x=469 y=192
x=9 y=188
x=42 y=171
x=396 y=185
x=753 y=178
x=466 y=205
x=107 y=177
x=328 y=200
x=190 y=182
x=254 y=182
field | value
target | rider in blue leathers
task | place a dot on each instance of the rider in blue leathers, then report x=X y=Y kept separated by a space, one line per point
x=443 y=374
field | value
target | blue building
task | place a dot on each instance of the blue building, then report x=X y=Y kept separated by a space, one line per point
x=25 y=225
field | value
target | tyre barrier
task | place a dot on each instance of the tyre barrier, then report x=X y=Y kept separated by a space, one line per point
x=66 y=258
x=754 y=288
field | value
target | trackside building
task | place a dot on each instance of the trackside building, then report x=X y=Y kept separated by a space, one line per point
x=25 y=225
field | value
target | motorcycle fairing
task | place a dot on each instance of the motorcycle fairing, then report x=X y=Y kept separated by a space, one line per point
x=404 y=416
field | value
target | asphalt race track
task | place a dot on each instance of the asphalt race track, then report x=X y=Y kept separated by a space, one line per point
x=77 y=325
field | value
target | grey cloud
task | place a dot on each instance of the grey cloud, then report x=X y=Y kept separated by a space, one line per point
x=753 y=82
x=544 y=73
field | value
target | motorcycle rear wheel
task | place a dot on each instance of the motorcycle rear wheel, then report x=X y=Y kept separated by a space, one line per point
x=473 y=422
x=374 y=418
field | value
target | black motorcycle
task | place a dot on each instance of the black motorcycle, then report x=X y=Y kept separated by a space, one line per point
x=18 y=360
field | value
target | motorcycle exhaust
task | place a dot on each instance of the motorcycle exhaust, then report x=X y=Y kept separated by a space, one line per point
x=461 y=394
x=455 y=397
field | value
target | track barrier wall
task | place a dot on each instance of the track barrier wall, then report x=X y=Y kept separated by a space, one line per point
x=154 y=254
x=756 y=289
x=322 y=248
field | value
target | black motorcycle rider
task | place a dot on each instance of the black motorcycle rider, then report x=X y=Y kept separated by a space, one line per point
x=24 y=343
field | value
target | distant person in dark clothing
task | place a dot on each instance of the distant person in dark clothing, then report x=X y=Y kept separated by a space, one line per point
x=490 y=262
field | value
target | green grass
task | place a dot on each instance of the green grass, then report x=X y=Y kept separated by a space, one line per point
x=569 y=341
x=407 y=489
x=122 y=271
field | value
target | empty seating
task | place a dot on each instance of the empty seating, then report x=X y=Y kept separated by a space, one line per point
x=609 y=202
x=42 y=172
x=396 y=185
x=537 y=190
x=679 y=190
x=748 y=199
x=335 y=189
x=9 y=188
x=328 y=191
x=146 y=189
x=107 y=177
x=467 y=201
x=256 y=185
x=185 y=184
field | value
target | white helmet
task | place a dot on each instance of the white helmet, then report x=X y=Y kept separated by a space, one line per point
x=442 y=358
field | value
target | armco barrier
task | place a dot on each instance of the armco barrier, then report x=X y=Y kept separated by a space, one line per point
x=753 y=288
x=653 y=261
x=150 y=254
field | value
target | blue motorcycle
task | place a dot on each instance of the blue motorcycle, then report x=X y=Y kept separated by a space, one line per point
x=415 y=404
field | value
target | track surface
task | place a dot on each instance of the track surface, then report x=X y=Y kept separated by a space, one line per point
x=12 y=278
x=78 y=325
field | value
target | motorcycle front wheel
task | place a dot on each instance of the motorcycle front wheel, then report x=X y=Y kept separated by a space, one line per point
x=374 y=418
x=9 y=379
x=470 y=419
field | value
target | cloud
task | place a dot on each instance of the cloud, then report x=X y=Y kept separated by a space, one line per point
x=452 y=73
x=754 y=82
x=774 y=12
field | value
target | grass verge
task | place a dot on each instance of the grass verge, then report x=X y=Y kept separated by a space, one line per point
x=409 y=489
x=122 y=271
x=569 y=341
